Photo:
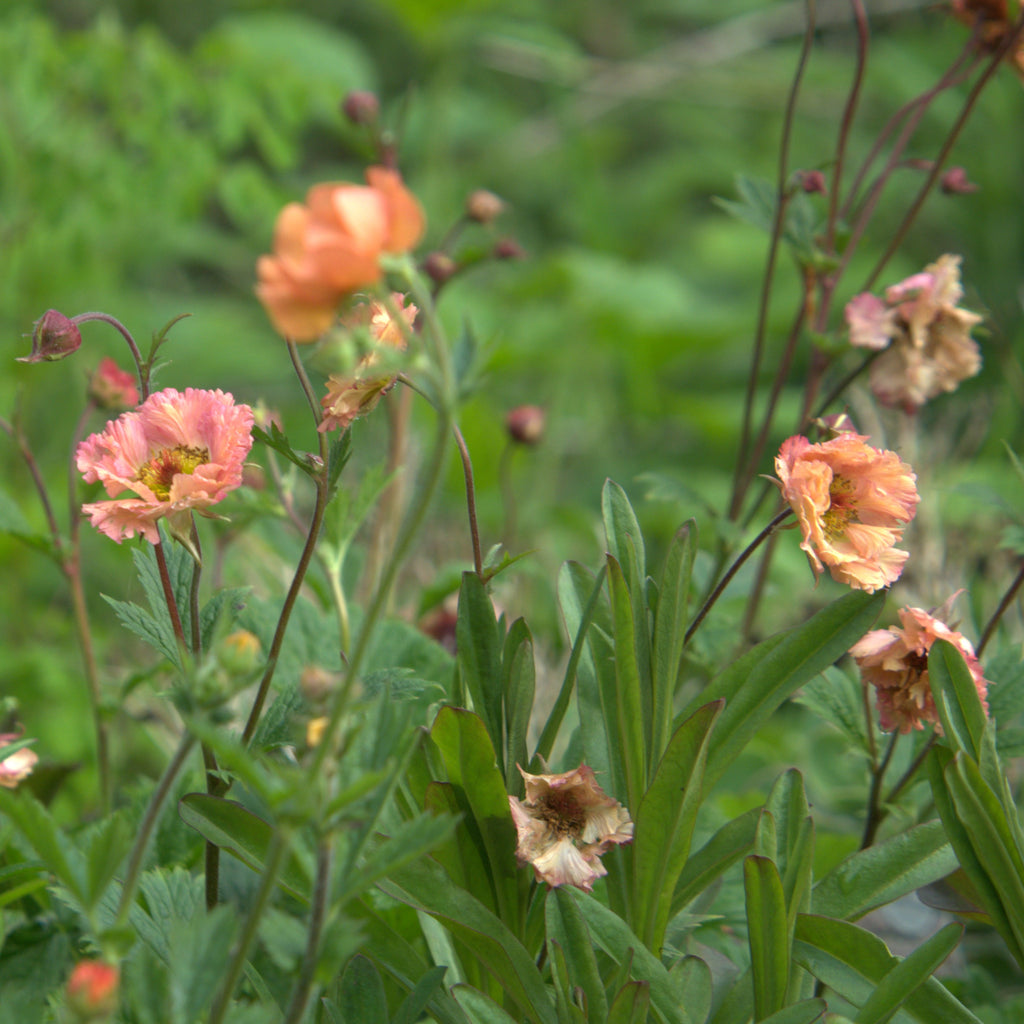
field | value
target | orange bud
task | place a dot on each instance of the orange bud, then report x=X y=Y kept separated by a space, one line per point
x=92 y=990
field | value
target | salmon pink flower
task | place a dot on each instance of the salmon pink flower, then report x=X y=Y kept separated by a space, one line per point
x=350 y=397
x=895 y=662
x=17 y=766
x=852 y=502
x=564 y=826
x=176 y=452
x=926 y=337
x=110 y=387
x=331 y=246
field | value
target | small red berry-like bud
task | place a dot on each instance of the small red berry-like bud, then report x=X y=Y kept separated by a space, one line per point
x=956 y=183
x=484 y=207
x=110 y=387
x=55 y=336
x=361 y=107
x=812 y=182
x=508 y=249
x=439 y=267
x=525 y=424
x=92 y=990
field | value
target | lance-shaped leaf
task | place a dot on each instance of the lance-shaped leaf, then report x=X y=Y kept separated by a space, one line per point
x=519 y=684
x=566 y=927
x=807 y=1011
x=852 y=961
x=956 y=699
x=479 y=657
x=664 y=824
x=768 y=934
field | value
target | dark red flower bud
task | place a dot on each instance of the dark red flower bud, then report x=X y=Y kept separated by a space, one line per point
x=812 y=182
x=54 y=336
x=956 y=183
x=508 y=249
x=361 y=107
x=484 y=207
x=525 y=424
x=439 y=267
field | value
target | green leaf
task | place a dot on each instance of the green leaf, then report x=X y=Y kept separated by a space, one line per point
x=787 y=804
x=566 y=927
x=956 y=699
x=479 y=657
x=837 y=698
x=691 y=978
x=805 y=1012
x=769 y=941
x=230 y=826
x=670 y=629
x=415 y=1003
x=337 y=458
x=756 y=684
x=108 y=846
x=424 y=885
x=519 y=686
x=630 y=1004
x=908 y=975
x=626 y=714
x=664 y=824
x=469 y=761
x=276 y=440
x=361 y=997
x=480 y=1009
x=613 y=935
x=880 y=874
x=13 y=522
x=852 y=961
x=731 y=842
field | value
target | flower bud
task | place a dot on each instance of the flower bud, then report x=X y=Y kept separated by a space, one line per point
x=484 y=207
x=54 y=337
x=316 y=682
x=812 y=182
x=956 y=183
x=525 y=424
x=508 y=249
x=315 y=731
x=238 y=653
x=92 y=990
x=110 y=387
x=361 y=107
x=439 y=267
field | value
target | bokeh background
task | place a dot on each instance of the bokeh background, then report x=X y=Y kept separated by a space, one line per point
x=146 y=148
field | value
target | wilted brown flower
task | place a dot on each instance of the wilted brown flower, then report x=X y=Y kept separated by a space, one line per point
x=564 y=826
x=895 y=662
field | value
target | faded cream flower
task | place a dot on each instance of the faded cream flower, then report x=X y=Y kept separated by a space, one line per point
x=926 y=337
x=17 y=766
x=852 y=502
x=895 y=662
x=564 y=826
x=349 y=397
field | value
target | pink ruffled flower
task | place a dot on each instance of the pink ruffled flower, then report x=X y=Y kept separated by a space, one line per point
x=564 y=826
x=176 y=452
x=350 y=397
x=852 y=502
x=895 y=662
x=110 y=387
x=17 y=766
x=926 y=337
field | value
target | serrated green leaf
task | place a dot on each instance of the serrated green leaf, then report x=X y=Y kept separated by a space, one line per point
x=61 y=857
x=837 y=698
x=276 y=440
x=766 y=928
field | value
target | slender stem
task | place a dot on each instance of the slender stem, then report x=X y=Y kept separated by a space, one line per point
x=764 y=304
x=156 y=802
x=140 y=367
x=877 y=813
x=845 y=382
x=846 y=123
x=869 y=724
x=467 y=469
x=271 y=868
x=307 y=387
x=757 y=591
x=13 y=430
x=733 y=569
x=172 y=604
x=1005 y=603
x=318 y=914
x=912 y=770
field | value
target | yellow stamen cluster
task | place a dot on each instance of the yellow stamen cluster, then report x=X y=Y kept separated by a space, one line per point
x=158 y=474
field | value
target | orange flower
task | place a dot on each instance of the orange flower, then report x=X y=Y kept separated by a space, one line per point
x=564 y=826
x=895 y=662
x=852 y=502
x=925 y=335
x=331 y=247
x=350 y=397
x=177 y=451
x=17 y=766
x=92 y=990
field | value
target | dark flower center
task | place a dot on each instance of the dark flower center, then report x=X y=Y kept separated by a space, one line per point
x=563 y=813
x=158 y=474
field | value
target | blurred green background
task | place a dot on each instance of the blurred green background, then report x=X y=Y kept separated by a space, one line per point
x=146 y=148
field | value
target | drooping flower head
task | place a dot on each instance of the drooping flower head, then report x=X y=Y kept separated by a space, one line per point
x=895 y=662
x=176 y=452
x=349 y=397
x=17 y=766
x=926 y=337
x=110 y=387
x=55 y=336
x=330 y=247
x=564 y=826
x=852 y=502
